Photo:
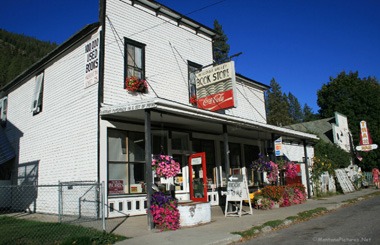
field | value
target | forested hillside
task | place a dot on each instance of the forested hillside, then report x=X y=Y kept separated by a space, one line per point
x=18 y=52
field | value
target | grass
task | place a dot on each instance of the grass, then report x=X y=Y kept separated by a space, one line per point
x=255 y=230
x=19 y=231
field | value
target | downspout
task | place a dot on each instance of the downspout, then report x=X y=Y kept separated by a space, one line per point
x=102 y=11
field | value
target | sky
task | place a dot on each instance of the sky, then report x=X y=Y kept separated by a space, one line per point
x=299 y=43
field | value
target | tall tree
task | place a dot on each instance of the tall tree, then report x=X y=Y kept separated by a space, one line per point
x=295 y=110
x=277 y=105
x=308 y=114
x=221 y=48
x=358 y=99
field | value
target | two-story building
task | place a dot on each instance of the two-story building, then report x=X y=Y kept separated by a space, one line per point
x=71 y=117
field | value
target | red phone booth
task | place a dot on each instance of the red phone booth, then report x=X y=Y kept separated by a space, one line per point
x=198 y=177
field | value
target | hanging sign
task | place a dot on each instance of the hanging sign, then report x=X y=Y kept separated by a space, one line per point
x=278 y=147
x=365 y=139
x=215 y=87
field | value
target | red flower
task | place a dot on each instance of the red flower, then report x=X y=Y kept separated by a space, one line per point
x=193 y=100
x=134 y=84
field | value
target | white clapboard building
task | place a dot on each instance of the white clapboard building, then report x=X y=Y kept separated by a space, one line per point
x=70 y=116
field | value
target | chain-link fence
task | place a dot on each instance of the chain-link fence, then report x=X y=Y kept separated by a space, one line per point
x=64 y=206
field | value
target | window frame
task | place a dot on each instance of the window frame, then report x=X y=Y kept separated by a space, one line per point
x=127 y=187
x=192 y=85
x=38 y=93
x=3 y=110
x=129 y=42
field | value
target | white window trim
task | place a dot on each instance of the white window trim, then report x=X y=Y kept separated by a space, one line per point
x=37 y=91
x=3 y=109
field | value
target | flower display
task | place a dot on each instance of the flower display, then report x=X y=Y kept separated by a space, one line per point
x=261 y=164
x=273 y=174
x=293 y=194
x=291 y=170
x=165 y=166
x=274 y=193
x=164 y=211
x=135 y=84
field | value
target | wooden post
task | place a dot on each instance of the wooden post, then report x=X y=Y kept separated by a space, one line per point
x=148 y=164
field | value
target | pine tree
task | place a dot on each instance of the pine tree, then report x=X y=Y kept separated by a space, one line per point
x=277 y=106
x=295 y=110
x=221 y=48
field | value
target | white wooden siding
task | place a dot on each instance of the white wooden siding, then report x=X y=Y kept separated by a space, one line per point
x=62 y=138
x=168 y=47
x=250 y=103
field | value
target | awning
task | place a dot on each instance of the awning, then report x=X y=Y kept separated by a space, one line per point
x=6 y=150
x=198 y=119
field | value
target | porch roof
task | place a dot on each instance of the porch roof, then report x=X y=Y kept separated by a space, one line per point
x=177 y=115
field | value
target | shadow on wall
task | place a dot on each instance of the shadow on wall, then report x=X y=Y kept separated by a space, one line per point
x=19 y=181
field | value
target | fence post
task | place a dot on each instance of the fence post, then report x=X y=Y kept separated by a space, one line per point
x=102 y=204
x=59 y=201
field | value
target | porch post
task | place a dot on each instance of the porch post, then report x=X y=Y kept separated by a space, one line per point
x=148 y=161
x=226 y=151
x=307 y=169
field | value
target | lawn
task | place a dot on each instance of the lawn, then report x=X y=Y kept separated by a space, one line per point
x=19 y=231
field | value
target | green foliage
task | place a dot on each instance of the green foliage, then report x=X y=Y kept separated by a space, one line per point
x=277 y=105
x=358 y=99
x=285 y=109
x=331 y=152
x=18 y=52
x=221 y=48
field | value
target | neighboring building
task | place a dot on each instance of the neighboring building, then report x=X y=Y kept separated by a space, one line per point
x=69 y=117
x=331 y=130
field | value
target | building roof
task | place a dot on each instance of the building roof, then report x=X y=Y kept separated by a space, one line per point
x=321 y=127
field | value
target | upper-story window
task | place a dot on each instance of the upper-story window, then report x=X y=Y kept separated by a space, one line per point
x=38 y=92
x=192 y=69
x=3 y=110
x=134 y=59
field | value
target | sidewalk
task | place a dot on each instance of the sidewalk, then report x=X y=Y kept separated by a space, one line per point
x=220 y=228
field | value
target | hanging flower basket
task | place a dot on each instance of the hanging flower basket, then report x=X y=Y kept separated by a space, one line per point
x=165 y=166
x=193 y=100
x=134 y=84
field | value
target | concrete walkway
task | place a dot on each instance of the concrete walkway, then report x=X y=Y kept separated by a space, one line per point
x=220 y=228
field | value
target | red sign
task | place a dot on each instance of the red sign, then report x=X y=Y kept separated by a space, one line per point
x=217 y=101
x=115 y=187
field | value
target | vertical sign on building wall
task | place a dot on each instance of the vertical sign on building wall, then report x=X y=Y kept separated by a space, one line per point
x=91 y=53
x=365 y=139
x=278 y=147
x=216 y=87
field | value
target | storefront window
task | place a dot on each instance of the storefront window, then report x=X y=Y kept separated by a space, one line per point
x=126 y=166
x=251 y=153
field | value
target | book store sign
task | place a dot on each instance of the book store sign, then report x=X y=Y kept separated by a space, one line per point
x=216 y=86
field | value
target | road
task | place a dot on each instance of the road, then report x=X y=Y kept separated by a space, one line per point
x=355 y=224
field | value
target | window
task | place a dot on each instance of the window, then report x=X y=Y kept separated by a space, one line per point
x=126 y=162
x=134 y=59
x=192 y=69
x=3 y=110
x=37 y=96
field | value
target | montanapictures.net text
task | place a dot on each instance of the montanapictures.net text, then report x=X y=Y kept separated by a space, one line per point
x=341 y=239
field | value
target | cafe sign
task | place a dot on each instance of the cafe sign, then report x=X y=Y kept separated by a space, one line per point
x=216 y=86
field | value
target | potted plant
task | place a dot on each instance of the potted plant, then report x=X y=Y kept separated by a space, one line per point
x=135 y=84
